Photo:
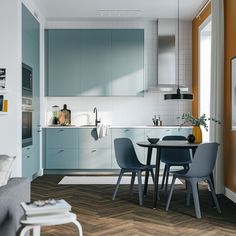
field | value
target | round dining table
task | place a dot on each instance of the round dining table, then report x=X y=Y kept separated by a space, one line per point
x=170 y=144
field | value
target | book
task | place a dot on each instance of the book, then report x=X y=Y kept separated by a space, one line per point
x=47 y=217
x=61 y=206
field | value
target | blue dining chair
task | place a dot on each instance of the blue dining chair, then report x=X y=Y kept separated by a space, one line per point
x=174 y=157
x=128 y=162
x=201 y=168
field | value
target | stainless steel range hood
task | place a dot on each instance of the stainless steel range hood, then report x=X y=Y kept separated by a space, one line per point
x=166 y=58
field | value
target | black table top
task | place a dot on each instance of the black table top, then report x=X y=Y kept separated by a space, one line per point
x=169 y=144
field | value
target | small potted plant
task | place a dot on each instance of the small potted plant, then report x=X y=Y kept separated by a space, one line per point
x=187 y=118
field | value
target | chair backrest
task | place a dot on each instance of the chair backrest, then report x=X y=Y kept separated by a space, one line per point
x=175 y=155
x=125 y=154
x=204 y=160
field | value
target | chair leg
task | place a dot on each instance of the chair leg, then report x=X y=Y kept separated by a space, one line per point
x=117 y=184
x=214 y=195
x=196 y=198
x=167 y=177
x=188 y=186
x=171 y=192
x=163 y=178
x=186 y=167
x=152 y=174
x=140 y=188
x=132 y=182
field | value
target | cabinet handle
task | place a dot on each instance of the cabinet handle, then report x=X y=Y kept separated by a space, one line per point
x=126 y=130
x=28 y=156
x=61 y=150
x=167 y=130
x=38 y=125
x=39 y=131
x=28 y=148
x=94 y=150
x=61 y=130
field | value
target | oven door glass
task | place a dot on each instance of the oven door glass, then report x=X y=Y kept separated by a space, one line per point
x=26 y=128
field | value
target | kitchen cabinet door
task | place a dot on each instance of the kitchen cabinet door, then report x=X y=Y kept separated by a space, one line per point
x=93 y=153
x=61 y=158
x=36 y=128
x=27 y=162
x=61 y=138
x=94 y=62
x=94 y=158
x=95 y=66
x=127 y=62
x=63 y=62
x=87 y=138
x=135 y=135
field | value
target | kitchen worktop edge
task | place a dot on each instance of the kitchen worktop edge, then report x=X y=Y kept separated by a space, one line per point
x=119 y=127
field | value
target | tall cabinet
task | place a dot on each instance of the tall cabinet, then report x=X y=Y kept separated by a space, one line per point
x=30 y=57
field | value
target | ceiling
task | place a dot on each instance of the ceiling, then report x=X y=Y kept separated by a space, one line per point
x=103 y=9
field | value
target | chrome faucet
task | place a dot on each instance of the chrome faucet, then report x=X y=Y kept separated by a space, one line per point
x=96 y=116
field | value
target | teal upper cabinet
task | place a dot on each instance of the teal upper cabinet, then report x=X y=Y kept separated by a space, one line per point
x=95 y=46
x=127 y=62
x=94 y=62
x=64 y=60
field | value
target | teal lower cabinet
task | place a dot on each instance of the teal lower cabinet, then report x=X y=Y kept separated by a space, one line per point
x=136 y=135
x=93 y=153
x=80 y=149
x=61 y=138
x=59 y=158
x=87 y=138
x=60 y=148
x=27 y=162
x=94 y=158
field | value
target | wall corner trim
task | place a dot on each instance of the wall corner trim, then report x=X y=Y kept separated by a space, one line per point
x=230 y=194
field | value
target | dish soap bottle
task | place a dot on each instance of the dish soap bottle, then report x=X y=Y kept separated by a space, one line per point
x=67 y=115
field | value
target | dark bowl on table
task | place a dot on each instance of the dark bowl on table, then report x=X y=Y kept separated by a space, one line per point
x=153 y=140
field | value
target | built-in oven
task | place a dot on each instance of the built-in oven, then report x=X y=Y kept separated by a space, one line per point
x=26 y=126
x=27 y=106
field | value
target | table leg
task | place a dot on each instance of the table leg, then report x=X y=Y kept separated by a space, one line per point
x=149 y=156
x=79 y=227
x=157 y=170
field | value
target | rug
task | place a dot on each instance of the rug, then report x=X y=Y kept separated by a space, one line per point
x=105 y=180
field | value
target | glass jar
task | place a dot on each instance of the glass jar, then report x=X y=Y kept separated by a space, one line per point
x=55 y=114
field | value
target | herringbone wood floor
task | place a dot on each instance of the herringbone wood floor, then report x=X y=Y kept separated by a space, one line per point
x=100 y=216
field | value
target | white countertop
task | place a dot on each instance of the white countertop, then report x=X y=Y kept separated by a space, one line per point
x=118 y=127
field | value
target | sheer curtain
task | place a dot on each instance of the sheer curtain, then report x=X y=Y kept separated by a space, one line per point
x=217 y=88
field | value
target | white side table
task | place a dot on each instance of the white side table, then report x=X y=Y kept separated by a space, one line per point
x=35 y=224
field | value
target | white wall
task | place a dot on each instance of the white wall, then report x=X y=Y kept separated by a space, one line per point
x=128 y=110
x=10 y=58
x=10 y=54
